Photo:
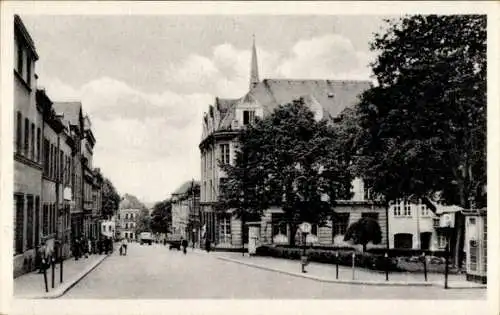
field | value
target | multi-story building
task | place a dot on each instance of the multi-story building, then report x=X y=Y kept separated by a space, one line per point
x=72 y=114
x=128 y=213
x=97 y=203
x=223 y=122
x=186 y=211
x=28 y=124
x=87 y=147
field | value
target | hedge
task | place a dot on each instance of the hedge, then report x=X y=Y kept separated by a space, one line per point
x=364 y=260
x=404 y=252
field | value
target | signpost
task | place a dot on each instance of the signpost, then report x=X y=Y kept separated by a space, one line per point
x=305 y=228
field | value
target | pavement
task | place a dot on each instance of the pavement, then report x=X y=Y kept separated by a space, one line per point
x=361 y=276
x=154 y=272
x=32 y=286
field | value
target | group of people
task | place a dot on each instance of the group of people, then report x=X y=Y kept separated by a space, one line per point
x=123 y=247
x=83 y=247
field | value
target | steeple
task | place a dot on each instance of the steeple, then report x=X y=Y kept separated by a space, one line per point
x=254 y=68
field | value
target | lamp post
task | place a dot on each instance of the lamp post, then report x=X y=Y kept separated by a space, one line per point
x=305 y=228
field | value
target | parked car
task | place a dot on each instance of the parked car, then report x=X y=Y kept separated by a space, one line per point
x=146 y=237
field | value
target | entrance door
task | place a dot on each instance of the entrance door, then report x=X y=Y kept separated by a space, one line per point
x=403 y=240
x=425 y=240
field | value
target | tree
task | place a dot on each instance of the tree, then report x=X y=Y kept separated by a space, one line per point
x=363 y=231
x=161 y=216
x=424 y=124
x=143 y=221
x=289 y=160
x=110 y=198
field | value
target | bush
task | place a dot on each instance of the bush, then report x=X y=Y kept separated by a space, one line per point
x=364 y=260
x=405 y=252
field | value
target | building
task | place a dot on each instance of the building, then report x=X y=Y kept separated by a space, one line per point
x=90 y=219
x=221 y=124
x=28 y=124
x=72 y=113
x=108 y=228
x=128 y=213
x=97 y=203
x=186 y=211
x=476 y=239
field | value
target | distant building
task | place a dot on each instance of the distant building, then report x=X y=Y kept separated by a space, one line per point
x=186 y=211
x=222 y=124
x=128 y=213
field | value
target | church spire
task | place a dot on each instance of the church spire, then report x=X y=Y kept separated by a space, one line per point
x=254 y=68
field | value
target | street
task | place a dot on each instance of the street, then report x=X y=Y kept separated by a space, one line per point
x=154 y=272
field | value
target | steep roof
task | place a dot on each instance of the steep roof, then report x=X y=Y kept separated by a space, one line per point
x=71 y=111
x=332 y=95
x=184 y=188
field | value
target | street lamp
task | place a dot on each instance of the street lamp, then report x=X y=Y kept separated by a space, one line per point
x=305 y=228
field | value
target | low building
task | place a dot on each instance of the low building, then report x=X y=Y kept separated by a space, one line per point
x=108 y=228
x=476 y=245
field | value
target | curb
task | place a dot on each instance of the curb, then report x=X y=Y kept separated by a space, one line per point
x=358 y=282
x=66 y=287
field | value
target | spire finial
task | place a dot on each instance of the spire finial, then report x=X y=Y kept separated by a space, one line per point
x=254 y=68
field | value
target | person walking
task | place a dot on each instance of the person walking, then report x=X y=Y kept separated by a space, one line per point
x=207 y=245
x=184 y=244
x=76 y=248
x=124 y=246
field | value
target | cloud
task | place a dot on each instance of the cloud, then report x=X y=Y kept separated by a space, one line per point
x=328 y=56
x=146 y=142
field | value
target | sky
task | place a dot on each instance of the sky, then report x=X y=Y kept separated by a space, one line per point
x=145 y=81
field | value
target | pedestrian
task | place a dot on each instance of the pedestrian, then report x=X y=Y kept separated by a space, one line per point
x=124 y=245
x=207 y=245
x=76 y=248
x=89 y=246
x=43 y=259
x=184 y=244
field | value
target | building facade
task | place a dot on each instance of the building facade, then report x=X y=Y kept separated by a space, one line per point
x=223 y=122
x=48 y=186
x=28 y=124
x=186 y=220
x=127 y=223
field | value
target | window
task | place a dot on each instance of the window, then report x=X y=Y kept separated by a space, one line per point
x=279 y=224
x=46 y=157
x=424 y=210
x=28 y=70
x=407 y=209
x=397 y=208
x=45 y=220
x=19 y=58
x=441 y=241
x=32 y=141
x=26 y=137
x=224 y=153
x=37 y=220
x=314 y=229
x=403 y=240
x=340 y=224
x=29 y=223
x=61 y=164
x=19 y=223
x=248 y=117
x=225 y=229
x=38 y=144
x=223 y=185
x=19 y=132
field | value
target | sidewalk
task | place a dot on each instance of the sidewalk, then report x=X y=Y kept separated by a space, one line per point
x=31 y=285
x=327 y=273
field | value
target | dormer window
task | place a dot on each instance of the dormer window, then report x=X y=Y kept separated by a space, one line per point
x=248 y=117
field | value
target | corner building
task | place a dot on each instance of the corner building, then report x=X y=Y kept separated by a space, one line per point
x=226 y=118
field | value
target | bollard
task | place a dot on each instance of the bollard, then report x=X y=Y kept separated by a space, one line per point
x=425 y=265
x=337 y=265
x=386 y=266
x=353 y=260
x=45 y=275
x=61 y=270
x=53 y=263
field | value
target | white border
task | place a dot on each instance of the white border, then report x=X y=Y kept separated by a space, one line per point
x=244 y=306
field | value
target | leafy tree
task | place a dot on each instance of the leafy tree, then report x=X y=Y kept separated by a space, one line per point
x=143 y=221
x=110 y=198
x=289 y=160
x=161 y=216
x=424 y=124
x=363 y=231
